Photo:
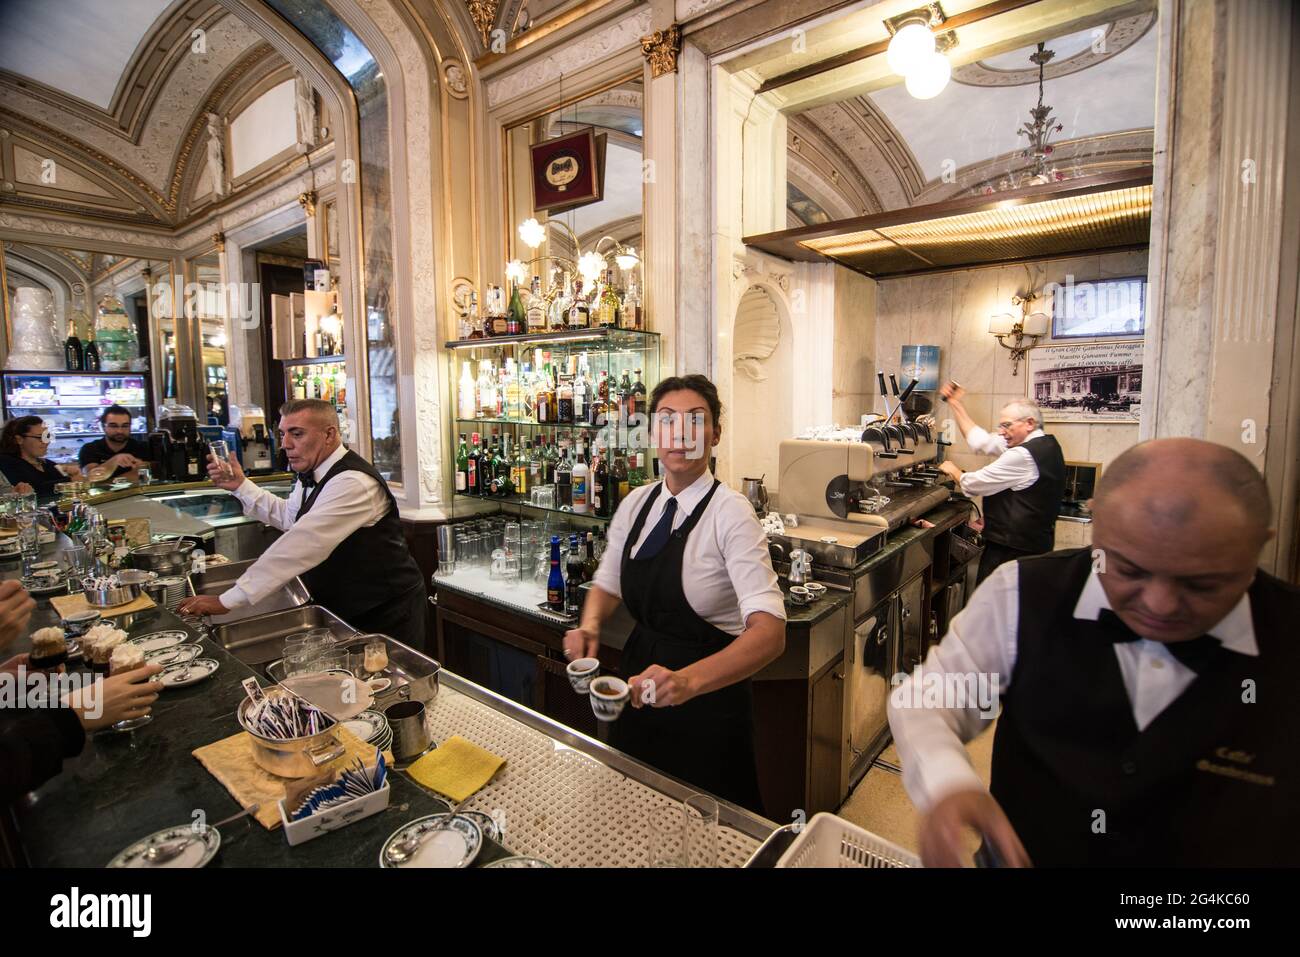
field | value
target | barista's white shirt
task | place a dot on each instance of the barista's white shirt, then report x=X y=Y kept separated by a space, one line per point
x=984 y=639
x=726 y=569
x=1013 y=469
x=350 y=501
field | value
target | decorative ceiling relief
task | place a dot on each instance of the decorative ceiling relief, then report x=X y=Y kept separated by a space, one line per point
x=1102 y=43
x=454 y=79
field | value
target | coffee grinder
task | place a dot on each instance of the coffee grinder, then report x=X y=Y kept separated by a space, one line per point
x=251 y=439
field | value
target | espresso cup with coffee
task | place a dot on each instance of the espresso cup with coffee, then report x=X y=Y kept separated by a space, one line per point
x=581 y=673
x=609 y=696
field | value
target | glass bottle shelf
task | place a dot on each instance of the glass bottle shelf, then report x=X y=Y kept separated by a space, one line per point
x=535 y=424
x=599 y=334
x=515 y=501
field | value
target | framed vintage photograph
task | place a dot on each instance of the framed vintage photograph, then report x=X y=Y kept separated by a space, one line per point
x=568 y=171
x=1102 y=308
x=1090 y=382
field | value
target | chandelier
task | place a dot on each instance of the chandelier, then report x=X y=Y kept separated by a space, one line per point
x=1043 y=125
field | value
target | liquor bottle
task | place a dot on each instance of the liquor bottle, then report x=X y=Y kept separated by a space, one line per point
x=536 y=311
x=466 y=402
x=609 y=303
x=546 y=411
x=636 y=476
x=501 y=314
x=91 y=357
x=563 y=479
x=462 y=465
x=619 y=478
x=631 y=311
x=564 y=400
x=515 y=315
x=580 y=311
x=581 y=394
x=558 y=317
x=315 y=384
x=581 y=474
x=638 y=403
x=487 y=390
x=600 y=485
x=625 y=397
x=589 y=563
x=512 y=405
x=472 y=473
x=73 y=356
x=550 y=459
x=519 y=470
x=472 y=321
x=600 y=399
x=555 y=583
x=536 y=470
x=573 y=579
x=504 y=481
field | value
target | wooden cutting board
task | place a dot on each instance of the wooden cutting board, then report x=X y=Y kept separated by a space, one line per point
x=67 y=605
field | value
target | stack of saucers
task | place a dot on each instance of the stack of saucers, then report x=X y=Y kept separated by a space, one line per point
x=371 y=727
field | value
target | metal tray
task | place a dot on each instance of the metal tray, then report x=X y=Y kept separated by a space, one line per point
x=258 y=640
x=217 y=578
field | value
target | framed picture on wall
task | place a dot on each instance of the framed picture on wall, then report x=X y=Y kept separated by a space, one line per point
x=1103 y=308
x=568 y=171
x=920 y=363
x=1091 y=382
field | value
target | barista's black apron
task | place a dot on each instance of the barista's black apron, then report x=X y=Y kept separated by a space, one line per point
x=707 y=742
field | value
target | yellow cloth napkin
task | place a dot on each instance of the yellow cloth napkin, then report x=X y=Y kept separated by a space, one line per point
x=456 y=769
x=67 y=605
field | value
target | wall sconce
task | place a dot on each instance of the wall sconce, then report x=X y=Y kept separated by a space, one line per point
x=1029 y=325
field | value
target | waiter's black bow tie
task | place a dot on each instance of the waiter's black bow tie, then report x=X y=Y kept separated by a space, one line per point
x=1195 y=654
x=308 y=481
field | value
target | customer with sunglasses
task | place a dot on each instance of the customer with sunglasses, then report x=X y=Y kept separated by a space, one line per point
x=23 y=445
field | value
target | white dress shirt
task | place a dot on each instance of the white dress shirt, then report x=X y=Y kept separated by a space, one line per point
x=350 y=500
x=1013 y=469
x=726 y=569
x=982 y=640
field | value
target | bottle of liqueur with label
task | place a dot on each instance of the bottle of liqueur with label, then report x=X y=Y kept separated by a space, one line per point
x=471 y=483
x=73 y=356
x=558 y=317
x=91 y=357
x=505 y=470
x=563 y=480
x=500 y=320
x=513 y=404
x=536 y=470
x=638 y=403
x=466 y=400
x=580 y=311
x=619 y=479
x=636 y=476
x=631 y=311
x=581 y=474
x=625 y=397
x=462 y=465
x=573 y=578
x=555 y=583
x=519 y=470
x=546 y=411
x=550 y=458
x=564 y=400
x=609 y=302
x=600 y=485
x=516 y=318
x=536 y=311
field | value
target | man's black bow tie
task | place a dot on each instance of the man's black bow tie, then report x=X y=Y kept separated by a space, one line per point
x=1196 y=654
x=307 y=479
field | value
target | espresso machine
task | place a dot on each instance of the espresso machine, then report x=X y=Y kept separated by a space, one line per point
x=251 y=439
x=850 y=487
x=181 y=451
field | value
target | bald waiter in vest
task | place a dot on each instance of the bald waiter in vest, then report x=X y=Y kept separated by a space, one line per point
x=341 y=533
x=1148 y=685
x=1022 y=488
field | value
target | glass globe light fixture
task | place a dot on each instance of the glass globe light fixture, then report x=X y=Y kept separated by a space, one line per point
x=908 y=47
x=532 y=233
x=929 y=77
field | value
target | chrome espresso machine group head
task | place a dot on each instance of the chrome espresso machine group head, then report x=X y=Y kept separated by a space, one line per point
x=882 y=475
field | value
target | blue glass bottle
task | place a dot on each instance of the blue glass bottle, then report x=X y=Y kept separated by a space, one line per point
x=555 y=584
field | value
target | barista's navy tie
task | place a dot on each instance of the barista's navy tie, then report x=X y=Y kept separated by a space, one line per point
x=658 y=537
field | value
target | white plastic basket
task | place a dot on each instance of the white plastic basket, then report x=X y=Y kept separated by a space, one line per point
x=831 y=841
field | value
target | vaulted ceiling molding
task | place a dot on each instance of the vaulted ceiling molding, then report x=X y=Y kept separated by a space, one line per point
x=143 y=79
x=827 y=162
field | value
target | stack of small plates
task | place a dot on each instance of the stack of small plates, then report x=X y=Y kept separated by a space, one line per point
x=372 y=728
x=173 y=591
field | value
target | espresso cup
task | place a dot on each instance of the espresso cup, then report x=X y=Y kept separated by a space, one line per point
x=581 y=672
x=815 y=589
x=609 y=696
x=800 y=595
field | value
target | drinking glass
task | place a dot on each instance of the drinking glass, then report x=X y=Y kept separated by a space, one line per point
x=130 y=724
x=701 y=831
x=668 y=836
x=376 y=657
x=146 y=476
x=221 y=454
x=543 y=496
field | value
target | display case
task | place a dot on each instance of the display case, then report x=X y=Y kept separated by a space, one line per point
x=70 y=403
x=550 y=433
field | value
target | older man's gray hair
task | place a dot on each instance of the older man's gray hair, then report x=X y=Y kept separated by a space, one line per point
x=1023 y=409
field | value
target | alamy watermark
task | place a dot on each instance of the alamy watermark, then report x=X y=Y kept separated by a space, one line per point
x=39 y=689
x=951 y=690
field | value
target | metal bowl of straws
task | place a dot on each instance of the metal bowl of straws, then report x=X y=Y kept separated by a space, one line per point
x=290 y=737
x=108 y=592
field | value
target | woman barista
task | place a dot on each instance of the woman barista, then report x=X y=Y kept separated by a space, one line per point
x=689 y=560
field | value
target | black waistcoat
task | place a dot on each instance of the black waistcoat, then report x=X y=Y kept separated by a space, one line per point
x=372 y=565
x=1026 y=520
x=1214 y=780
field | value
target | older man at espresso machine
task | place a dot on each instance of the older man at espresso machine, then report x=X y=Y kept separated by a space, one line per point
x=1022 y=488
x=341 y=533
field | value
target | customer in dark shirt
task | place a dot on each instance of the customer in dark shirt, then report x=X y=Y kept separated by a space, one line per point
x=35 y=739
x=117 y=454
x=23 y=445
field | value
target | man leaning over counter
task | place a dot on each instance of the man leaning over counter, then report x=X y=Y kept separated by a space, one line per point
x=341 y=533
x=1147 y=685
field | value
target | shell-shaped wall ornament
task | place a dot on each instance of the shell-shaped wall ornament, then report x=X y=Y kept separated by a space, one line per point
x=757 y=332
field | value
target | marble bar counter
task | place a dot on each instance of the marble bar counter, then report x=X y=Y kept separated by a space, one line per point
x=563 y=797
